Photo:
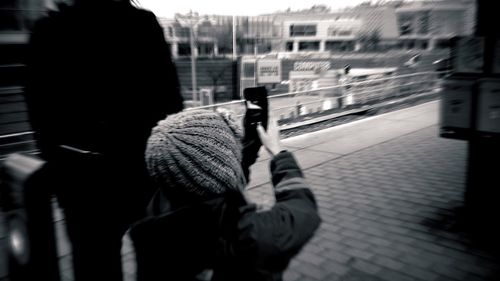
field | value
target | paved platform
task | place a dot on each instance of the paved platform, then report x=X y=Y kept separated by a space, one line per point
x=388 y=190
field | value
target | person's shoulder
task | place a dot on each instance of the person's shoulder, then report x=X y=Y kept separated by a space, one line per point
x=56 y=17
x=142 y=13
x=48 y=23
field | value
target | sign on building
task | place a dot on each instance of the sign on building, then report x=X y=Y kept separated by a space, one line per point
x=456 y=106
x=268 y=71
x=316 y=66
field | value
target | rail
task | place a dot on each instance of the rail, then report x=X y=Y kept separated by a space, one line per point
x=295 y=107
x=343 y=97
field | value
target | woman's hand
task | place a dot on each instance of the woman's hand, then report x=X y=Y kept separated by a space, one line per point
x=270 y=139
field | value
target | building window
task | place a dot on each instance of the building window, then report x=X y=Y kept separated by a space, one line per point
x=184 y=49
x=424 y=45
x=345 y=33
x=249 y=70
x=205 y=49
x=170 y=32
x=443 y=44
x=182 y=32
x=410 y=44
x=424 y=23
x=332 y=31
x=339 y=46
x=309 y=46
x=405 y=25
x=302 y=30
x=289 y=46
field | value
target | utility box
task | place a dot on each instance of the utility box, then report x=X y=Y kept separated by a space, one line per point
x=456 y=107
x=206 y=96
x=488 y=113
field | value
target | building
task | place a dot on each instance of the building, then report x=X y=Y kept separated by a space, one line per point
x=337 y=34
x=213 y=34
x=420 y=25
x=431 y=24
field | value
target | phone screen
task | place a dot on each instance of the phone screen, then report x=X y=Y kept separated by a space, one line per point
x=257 y=96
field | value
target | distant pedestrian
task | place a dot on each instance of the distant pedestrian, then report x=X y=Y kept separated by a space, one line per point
x=201 y=218
x=100 y=77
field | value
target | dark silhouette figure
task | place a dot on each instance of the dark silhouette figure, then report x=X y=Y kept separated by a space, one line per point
x=100 y=77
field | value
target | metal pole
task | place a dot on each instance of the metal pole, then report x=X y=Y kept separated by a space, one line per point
x=234 y=39
x=193 y=63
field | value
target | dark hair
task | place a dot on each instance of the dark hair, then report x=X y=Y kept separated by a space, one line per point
x=77 y=2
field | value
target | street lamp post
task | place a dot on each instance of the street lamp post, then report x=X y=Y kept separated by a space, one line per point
x=193 y=63
x=235 y=55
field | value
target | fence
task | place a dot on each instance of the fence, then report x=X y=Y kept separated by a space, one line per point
x=297 y=106
x=290 y=108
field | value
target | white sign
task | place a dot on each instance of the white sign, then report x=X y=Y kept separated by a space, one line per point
x=456 y=103
x=317 y=66
x=268 y=71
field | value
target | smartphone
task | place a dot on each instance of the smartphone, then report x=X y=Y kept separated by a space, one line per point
x=259 y=109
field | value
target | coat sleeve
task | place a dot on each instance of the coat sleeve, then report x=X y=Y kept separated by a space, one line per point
x=273 y=237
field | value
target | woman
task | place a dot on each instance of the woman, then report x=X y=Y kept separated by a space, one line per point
x=100 y=77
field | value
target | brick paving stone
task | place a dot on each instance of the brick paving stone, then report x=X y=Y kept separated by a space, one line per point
x=362 y=254
x=471 y=277
x=358 y=275
x=419 y=273
x=473 y=269
x=378 y=241
x=291 y=275
x=389 y=252
x=353 y=234
x=449 y=271
x=307 y=257
x=311 y=271
x=356 y=243
x=336 y=268
x=388 y=263
x=416 y=260
x=337 y=256
x=366 y=267
x=391 y=275
x=313 y=247
x=328 y=243
x=403 y=239
x=331 y=227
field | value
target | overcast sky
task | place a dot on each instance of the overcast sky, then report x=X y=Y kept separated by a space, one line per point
x=168 y=8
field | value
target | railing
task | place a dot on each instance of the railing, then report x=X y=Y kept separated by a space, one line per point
x=300 y=105
x=303 y=106
x=20 y=19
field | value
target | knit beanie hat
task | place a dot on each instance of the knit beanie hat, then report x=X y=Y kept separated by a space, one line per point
x=198 y=151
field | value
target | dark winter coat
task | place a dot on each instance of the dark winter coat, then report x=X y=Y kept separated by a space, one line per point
x=100 y=77
x=229 y=236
